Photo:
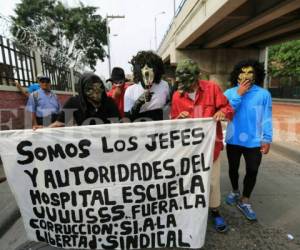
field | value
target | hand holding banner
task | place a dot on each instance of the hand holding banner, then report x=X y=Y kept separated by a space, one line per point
x=118 y=186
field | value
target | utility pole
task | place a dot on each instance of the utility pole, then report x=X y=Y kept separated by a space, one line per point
x=108 y=40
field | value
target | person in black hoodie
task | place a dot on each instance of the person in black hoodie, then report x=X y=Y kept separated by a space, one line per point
x=91 y=106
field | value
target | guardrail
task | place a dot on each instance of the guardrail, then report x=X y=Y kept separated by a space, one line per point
x=179 y=8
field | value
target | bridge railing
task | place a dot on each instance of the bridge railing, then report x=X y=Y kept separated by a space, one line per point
x=179 y=8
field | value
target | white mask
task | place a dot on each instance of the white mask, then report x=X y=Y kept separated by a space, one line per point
x=148 y=75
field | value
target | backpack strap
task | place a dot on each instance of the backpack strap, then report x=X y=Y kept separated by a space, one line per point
x=35 y=95
x=56 y=97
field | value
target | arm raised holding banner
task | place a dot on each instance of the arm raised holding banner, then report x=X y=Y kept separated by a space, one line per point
x=101 y=184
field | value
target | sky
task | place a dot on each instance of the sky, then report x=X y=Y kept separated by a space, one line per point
x=128 y=35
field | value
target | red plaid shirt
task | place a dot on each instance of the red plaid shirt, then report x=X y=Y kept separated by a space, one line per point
x=209 y=99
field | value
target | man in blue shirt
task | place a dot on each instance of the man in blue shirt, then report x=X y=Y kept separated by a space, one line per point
x=250 y=132
x=43 y=104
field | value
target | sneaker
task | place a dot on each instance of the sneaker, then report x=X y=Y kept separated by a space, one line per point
x=232 y=198
x=220 y=224
x=247 y=211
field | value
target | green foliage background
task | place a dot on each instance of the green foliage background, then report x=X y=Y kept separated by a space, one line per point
x=77 y=34
x=284 y=60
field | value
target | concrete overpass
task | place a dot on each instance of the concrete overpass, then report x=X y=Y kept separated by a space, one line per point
x=219 y=33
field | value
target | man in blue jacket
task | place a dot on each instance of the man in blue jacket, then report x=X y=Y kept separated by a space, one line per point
x=250 y=132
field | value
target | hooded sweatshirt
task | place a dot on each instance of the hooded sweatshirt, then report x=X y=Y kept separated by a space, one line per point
x=83 y=112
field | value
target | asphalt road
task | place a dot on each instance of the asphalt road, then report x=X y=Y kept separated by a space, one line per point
x=276 y=199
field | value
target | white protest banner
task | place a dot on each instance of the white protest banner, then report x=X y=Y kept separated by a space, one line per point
x=118 y=186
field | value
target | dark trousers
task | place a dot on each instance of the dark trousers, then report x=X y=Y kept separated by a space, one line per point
x=252 y=158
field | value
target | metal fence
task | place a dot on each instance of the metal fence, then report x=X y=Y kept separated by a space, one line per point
x=287 y=87
x=288 y=92
x=15 y=65
x=21 y=65
x=60 y=76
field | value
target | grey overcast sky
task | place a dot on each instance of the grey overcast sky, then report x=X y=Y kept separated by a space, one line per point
x=129 y=35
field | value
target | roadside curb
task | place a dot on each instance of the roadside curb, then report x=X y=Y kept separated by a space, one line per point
x=290 y=153
x=9 y=218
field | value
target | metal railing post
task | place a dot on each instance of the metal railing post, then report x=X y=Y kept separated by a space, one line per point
x=72 y=81
x=38 y=62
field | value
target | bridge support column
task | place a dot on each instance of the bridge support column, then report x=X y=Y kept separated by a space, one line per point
x=216 y=64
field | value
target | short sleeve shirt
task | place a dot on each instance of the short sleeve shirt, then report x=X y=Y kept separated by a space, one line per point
x=161 y=93
x=42 y=104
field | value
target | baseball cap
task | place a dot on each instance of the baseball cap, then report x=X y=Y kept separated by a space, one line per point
x=43 y=78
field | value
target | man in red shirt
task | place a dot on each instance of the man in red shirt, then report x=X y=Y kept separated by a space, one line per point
x=198 y=99
x=118 y=88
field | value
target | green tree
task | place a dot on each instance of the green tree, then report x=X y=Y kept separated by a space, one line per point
x=284 y=59
x=70 y=35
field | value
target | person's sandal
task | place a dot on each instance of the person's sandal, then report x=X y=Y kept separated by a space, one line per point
x=220 y=224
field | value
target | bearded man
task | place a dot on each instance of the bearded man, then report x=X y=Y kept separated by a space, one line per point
x=250 y=132
x=146 y=99
x=196 y=99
